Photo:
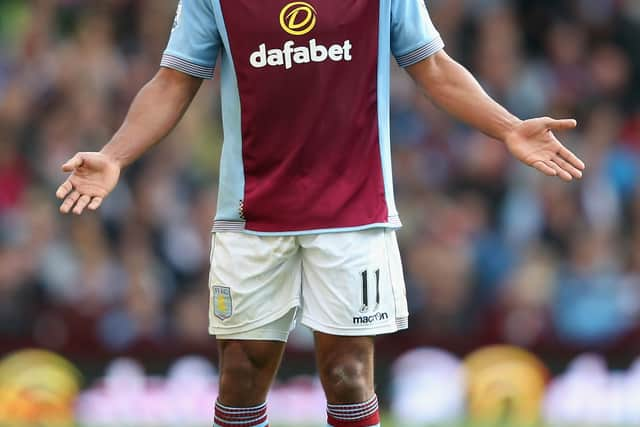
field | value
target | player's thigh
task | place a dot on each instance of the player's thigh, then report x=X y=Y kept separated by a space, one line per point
x=254 y=282
x=247 y=370
x=346 y=368
x=353 y=283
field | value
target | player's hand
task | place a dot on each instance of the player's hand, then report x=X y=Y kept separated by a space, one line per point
x=534 y=143
x=93 y=176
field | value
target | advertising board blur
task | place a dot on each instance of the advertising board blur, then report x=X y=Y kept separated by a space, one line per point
x=500 y=384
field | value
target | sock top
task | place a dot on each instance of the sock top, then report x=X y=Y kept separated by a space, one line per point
x=363 y=414
x=228 y=416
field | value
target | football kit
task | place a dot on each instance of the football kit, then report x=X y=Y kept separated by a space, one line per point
x=306 y=213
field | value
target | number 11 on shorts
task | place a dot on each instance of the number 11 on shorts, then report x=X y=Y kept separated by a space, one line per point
x=365 y=291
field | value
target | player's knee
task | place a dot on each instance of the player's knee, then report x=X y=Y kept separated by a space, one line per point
x=347 y=379
x=239 y=374
x=244 y=377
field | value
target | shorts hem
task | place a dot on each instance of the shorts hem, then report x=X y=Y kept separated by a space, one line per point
x=400 y=324
x=266 y=335
x=250 y=326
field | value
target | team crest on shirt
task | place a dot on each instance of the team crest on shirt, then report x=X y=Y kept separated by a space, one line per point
x=176 y=21
x=222 y=302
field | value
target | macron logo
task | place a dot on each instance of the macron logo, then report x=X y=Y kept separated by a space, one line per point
x=291 y=54
x=366 y=320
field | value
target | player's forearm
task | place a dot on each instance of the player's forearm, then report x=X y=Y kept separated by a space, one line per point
x=455 y=90
x=155 y=111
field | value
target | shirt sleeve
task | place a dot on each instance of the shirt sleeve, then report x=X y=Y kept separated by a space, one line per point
x=413 y=35
x=195 y=41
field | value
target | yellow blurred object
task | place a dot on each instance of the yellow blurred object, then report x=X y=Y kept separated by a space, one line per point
x=506 y=386
x=37 y=387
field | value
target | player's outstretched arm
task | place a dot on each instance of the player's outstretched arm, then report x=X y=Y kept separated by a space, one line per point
x=533 y=142
x=155 y=111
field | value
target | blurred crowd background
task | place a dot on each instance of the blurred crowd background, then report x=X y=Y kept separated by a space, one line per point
x=493 y=252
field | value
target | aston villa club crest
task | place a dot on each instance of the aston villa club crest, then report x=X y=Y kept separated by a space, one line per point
x=222 y=302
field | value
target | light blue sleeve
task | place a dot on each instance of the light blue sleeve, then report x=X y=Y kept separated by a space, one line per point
x=413 y=35
x=195 y=41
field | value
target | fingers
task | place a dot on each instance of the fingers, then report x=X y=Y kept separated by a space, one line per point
x=95 y=203
x=550 y=168
x=73 y=163
x=64 y=189
x=544 y=168
x=69 y=202
x=566 y=166
x=563 y=174
x=82 y=203
x=79 y=203
x=558 y=167
x=566 y=124
x=571 y=158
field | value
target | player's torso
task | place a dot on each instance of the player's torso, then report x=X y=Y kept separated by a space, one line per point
x=299 y=61
x=307 y=82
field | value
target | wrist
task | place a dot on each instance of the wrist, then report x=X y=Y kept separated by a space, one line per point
x=510 y=128
x=112 y=156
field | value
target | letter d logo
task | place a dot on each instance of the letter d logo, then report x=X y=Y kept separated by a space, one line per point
x=298 y=18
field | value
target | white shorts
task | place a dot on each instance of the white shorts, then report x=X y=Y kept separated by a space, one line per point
x=348 y=284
